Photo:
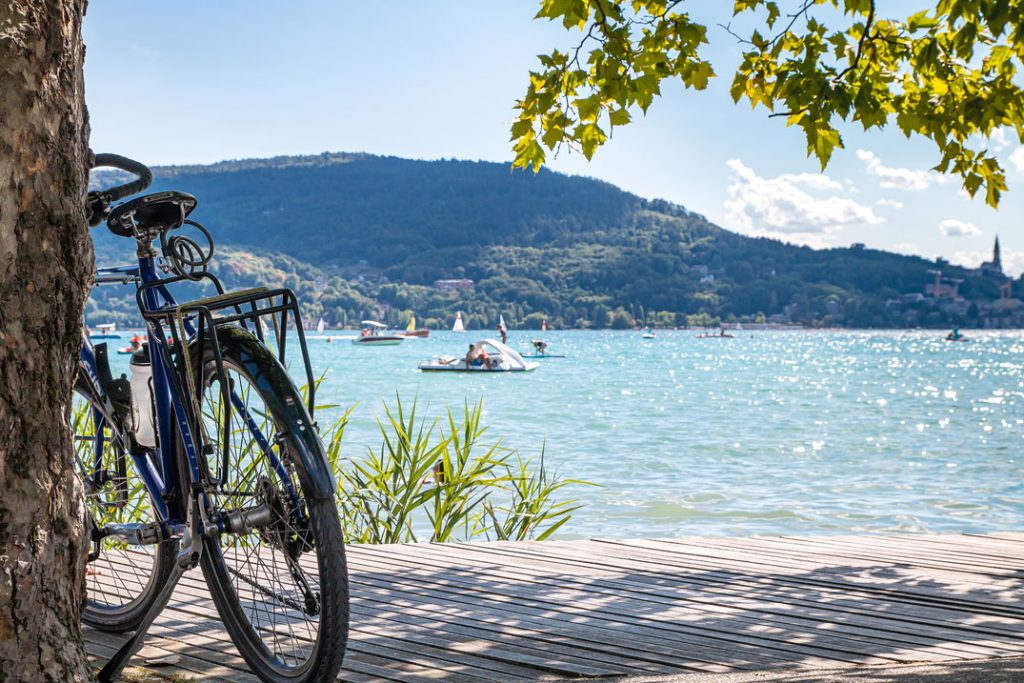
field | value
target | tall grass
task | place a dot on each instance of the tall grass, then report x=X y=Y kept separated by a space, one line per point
x=440 y=481
x=430 y=480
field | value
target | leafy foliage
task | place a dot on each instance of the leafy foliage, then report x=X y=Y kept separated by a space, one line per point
x=948 y=73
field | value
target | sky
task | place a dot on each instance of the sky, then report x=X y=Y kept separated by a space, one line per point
x=198 y=82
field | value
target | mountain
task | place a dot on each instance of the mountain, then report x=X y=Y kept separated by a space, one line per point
x=368 y=236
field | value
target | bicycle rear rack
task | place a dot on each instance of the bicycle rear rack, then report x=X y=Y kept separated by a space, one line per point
x=194 y=322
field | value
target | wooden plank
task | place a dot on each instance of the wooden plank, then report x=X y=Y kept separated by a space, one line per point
x=780 y=613
x=656 y=553
x=533 y=611
x=511 y=652
x=809 y=570
x=655 y=567
x=872 y=551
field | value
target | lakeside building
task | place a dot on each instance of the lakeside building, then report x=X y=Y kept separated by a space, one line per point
x=453 y=285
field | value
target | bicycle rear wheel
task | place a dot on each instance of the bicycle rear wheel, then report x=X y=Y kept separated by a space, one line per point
x=121 y=581
x=281 y=588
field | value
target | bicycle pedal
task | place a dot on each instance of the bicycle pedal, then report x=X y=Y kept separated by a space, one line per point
x=134 y=533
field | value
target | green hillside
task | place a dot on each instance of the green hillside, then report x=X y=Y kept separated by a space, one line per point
x=367 y=236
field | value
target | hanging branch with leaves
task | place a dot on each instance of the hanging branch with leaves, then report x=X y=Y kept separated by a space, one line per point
x=949 y=74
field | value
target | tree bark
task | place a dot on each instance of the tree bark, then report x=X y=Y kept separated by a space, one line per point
x=45 y=269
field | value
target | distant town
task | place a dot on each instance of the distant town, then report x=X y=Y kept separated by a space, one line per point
x=943 y=294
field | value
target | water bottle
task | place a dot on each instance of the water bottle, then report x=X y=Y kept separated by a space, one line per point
x=142 y=398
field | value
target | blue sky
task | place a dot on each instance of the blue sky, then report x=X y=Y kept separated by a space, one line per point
x=196 y=82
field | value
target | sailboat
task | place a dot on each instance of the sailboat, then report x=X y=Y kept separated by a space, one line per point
x=458 y=326
x=411 y=331
x=321 y=325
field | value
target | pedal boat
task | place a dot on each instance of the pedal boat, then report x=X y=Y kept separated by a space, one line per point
x=503 y=359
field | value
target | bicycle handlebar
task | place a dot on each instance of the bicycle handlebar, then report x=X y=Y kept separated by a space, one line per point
x=98 y=202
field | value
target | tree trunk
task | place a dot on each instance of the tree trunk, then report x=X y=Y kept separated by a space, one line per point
x=45 y=268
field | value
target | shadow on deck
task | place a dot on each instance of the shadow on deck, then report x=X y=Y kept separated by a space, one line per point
x=604 y=609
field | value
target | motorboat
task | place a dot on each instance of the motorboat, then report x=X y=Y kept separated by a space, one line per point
x=648 y=333
x=373 y=335
x=495 y=357
x=105 y=331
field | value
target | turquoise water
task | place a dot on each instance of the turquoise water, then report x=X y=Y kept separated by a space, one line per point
x=766 y=433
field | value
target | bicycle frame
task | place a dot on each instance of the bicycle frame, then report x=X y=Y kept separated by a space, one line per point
x=173 y=406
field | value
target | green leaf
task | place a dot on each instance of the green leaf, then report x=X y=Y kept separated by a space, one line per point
x=619 y=117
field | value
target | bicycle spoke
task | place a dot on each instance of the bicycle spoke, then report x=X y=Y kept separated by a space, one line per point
x=277 y=606
x=119 y=577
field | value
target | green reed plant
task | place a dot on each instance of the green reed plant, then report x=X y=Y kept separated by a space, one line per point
x=440 y=481
x=435 y=480
x=122 y=500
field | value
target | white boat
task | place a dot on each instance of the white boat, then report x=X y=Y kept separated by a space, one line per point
x=458 y=326
x=500 y=358
x=320 y=326
x=373 y=335
x=106 y=331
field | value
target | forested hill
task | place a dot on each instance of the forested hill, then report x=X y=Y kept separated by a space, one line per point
x=369 y=236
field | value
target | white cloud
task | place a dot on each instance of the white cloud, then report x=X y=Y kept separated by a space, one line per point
x=997 y=140
x=784 y=207
x=890 y=203
x=898 y=178
x=909 y=248
x=954 y=228
x=1017 y=159
x=1013 y=261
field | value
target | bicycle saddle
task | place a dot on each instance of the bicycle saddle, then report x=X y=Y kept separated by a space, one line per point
x=151 y=213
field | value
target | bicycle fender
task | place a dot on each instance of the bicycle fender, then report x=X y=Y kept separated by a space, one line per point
x=276 y=386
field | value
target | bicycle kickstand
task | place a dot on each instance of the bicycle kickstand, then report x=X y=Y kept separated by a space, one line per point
x=188 y=557
x=113 y=668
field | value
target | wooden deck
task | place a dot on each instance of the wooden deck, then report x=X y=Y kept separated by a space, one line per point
x=613 y=608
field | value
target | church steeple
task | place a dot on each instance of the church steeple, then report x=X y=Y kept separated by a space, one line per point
x=997 y=262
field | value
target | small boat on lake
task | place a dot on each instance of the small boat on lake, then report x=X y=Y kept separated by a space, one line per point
x=105 y=331
x=373 y=335
x=722 y=334
x=491 y=356
x=412 y=331
x=648 y=334
x=955 y=336
x=458 y=326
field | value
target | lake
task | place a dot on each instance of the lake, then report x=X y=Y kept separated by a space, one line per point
x=766 y=433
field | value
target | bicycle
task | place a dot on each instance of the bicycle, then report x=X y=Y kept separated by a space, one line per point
x=208 y=455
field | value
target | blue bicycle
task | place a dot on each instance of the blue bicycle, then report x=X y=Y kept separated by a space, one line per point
x=206 y=455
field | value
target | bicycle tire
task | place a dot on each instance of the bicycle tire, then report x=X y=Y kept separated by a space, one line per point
x=109 y=576
x=238 y=602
